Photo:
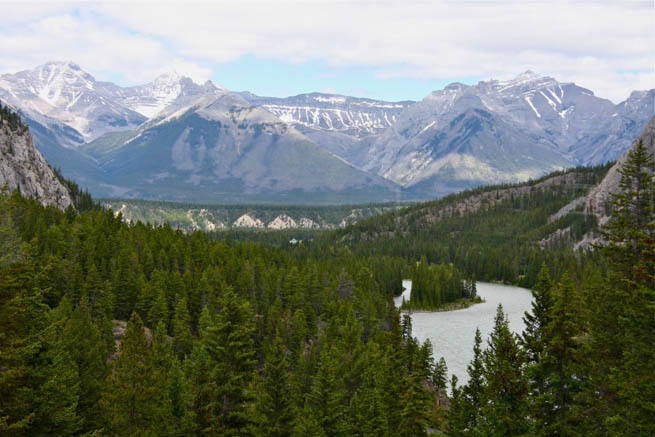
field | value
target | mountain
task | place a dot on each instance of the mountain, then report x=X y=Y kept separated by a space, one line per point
x=599 y=199
x=503 y=131
x=61 y=94
x=614 y=132
x=219 y=148
x=103 y=135
x=22 y=167
x=152 y=98
x=179 y=140
x=342 y=125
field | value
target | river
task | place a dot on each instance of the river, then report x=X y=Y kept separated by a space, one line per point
x=452 y=333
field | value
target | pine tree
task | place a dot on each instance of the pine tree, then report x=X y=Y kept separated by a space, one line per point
x=440 y=375
x=536 y=320
x=458 y=413
x=159 y=310
x=618 y=393
x=368 y=404
x=182 y=337
x=467 y=401
x=53 y=377
x=229 y=344
x=632 y=214
x=133 y=399
x=125 y=290
x=274 y=403
x=534 y=338
x=38 y=384
x=506 y=409
x=325 y=398
x=179 y=399
x=11 y=247
x=559 y=363
x=416 y=402
x=84 y=344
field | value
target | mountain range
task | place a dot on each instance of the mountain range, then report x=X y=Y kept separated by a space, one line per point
x=175 y=139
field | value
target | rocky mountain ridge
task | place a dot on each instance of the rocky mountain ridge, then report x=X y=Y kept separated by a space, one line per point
x=23 y=168
x=599 y=199
x=456 y=138
x=504 y=131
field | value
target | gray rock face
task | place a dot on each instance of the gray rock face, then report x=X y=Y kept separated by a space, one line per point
x=22 y=167
x=173 y=137
x=219 y=145
x=61 y=95
x=69 y=101
x=150 y=99
x=503 y=131
x=342 y=125
x=613 y=132
x=599 y=198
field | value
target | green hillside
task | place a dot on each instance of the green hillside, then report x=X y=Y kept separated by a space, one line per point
x=496 y=232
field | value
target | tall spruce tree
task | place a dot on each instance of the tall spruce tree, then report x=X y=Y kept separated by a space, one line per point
x=416 y=403
x=473 y=392
x=326 y=397
x=559 y=364
x=534 y=338
x=133 y=399
x=506 y=409
x=619 y=391
x=84 y=344
x=274 y=404
x=229 y=344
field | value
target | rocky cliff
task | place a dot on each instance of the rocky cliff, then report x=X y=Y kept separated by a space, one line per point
x=599 y=198
x=22 y=167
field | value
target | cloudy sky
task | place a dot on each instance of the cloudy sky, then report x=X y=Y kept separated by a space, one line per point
x=391 y=50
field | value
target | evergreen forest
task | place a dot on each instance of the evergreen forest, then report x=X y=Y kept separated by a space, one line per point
x=110 y=328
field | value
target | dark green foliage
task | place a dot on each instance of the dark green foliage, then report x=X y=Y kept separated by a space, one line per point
x=244 y=338
x=434 y=286
x=11 y=118
x=133 y=400
x=229 y=344
x=558 y=365
x=619 y=388
x=466 y=402
x=534 y=339
x=274 y=404
x=416 y=403
x=505 y=409
x=491 y=233
x=81 y=197
x=83 y=343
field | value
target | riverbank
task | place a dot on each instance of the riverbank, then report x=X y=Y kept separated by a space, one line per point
x=452 y=332
x=459 y=304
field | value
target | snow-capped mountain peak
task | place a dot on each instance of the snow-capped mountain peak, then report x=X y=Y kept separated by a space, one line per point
x=60 y=83
x=62 y=93
x=150 y=99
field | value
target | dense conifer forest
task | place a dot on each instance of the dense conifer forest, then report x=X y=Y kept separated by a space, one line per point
x=108 y=328
x=496 y=233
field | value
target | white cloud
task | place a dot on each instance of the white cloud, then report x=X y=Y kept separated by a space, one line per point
x=590 y=43
x=198 y=73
